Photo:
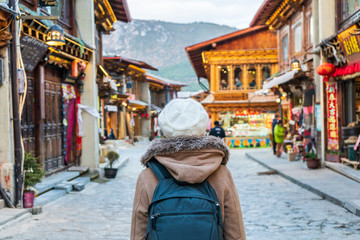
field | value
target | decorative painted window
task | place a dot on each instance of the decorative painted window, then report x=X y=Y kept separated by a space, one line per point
x=266 y=73
x=298 y=38
x=64 y=10
x=238 y=79
x=285 y=48
x=251 y=77
x=224 y=78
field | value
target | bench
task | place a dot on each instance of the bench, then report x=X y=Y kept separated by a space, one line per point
x=354 y=163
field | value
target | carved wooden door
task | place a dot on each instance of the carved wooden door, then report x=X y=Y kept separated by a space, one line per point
x=52 y=124
x=28 y=117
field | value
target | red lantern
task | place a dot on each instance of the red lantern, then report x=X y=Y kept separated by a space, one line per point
x=75 y=68
x=326 y=70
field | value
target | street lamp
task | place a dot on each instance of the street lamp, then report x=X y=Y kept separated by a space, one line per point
x=55 y=36
x=295 y=64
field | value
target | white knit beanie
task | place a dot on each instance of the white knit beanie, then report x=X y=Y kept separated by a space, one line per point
x=183 y=117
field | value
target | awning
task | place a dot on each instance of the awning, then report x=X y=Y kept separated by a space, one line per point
x=281 y=79
x=156 y=108
x=348 y=71
x=138 y=103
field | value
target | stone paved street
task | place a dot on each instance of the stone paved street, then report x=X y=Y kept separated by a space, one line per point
x=273 y=208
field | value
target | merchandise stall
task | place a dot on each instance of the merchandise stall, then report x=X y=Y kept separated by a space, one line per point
x=247 y=128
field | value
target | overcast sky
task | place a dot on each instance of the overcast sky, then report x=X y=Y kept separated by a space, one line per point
x=235 y=13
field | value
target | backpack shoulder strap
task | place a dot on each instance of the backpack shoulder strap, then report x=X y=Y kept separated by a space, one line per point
x=158 y=169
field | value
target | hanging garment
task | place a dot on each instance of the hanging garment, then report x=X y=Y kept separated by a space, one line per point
x=90 y=111
x=70 y=128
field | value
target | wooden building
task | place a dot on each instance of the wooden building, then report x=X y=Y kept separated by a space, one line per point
x=56 y=76
x=235 y=66
x=126 y=108
x=162 y=91
x=292 y=20
x=341 y=51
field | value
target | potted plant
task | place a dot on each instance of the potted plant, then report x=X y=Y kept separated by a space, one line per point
x=334 y=156
x=32 y=175
x=111 y=172
x=312 y=160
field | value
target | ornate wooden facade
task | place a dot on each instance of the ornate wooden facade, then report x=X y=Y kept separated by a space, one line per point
x=235 y=66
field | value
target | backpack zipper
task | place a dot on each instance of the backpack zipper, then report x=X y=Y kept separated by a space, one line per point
x=155 y=216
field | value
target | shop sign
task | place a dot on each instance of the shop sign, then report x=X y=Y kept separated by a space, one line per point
x=350 y=44
x=47 y=3
x=332 y=116
x=247 y=112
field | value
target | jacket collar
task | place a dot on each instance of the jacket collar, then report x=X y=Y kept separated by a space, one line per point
x=165 y=146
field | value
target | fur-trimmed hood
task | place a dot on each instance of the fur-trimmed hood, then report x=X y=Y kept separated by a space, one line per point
x=189 y=159
x=166 y=146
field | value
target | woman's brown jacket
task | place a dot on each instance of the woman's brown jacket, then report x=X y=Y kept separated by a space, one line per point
x=192 y=160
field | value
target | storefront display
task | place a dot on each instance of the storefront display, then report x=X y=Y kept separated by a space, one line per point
x=247 y=128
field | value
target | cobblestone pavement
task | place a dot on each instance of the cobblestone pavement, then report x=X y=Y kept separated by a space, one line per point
x=273 y=208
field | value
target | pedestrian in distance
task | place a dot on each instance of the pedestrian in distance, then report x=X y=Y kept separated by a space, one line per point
x=238 y=83
x=279 y=137
x=186 y=191
x=112 y=134
x=273 y=124
x=217 y=131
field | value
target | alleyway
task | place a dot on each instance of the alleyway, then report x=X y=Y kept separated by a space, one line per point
x=273 y=208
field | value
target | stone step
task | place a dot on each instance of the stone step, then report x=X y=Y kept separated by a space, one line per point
x=79 y=183
x=64 y=186
x=79 y=169
x=49 y=196
x=91 y=174
x=10 y=214
x=2 y=203
x=50 y=182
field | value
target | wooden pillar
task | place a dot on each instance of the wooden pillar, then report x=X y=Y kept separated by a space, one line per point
x=103 y=121
x=118 y=120
x=122 y=129
x=214 y=117
x=245 y=76
x=258 y=76
x=217 y=78
x=231 y=77
x=274 y=68
x=212 y=78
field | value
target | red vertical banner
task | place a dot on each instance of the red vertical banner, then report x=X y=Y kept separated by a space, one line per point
x=332 y=116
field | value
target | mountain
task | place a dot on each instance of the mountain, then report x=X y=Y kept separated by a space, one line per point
x=161 y=44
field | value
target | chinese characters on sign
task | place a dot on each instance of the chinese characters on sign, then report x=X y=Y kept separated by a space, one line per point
x=332 y=122
x=350 y=44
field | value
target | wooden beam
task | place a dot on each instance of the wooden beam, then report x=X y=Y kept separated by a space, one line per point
x=30 y=17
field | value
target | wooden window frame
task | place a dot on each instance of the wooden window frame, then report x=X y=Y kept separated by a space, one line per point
x=341 y=23
x=296 y=21
x=70 y=25
x=283 y=33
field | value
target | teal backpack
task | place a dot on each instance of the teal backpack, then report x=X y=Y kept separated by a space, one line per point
x=182 y=211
